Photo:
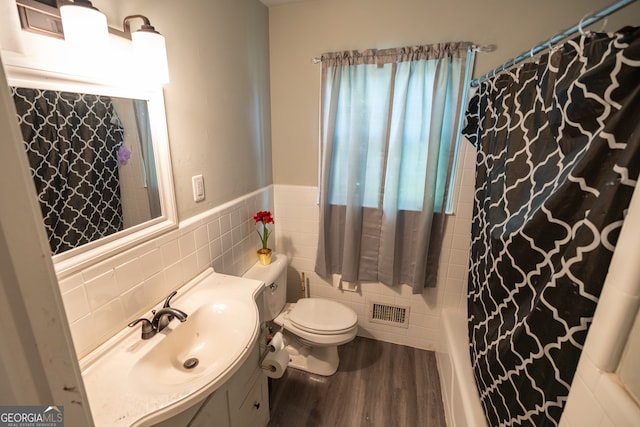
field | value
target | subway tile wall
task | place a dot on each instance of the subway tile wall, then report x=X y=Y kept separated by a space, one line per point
x=102 y=299
x=297 y=216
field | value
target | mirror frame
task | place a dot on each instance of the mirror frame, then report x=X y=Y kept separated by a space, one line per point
x=23 y=73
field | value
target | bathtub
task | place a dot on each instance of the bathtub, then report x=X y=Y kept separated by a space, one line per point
x=459 y=393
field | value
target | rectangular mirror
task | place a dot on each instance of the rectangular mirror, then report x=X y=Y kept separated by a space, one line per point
x=100 y=162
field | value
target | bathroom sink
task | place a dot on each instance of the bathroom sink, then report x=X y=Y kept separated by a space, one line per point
x=135 y=382
x=197 y=350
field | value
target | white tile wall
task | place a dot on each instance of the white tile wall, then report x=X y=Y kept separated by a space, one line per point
x=297 y=216
x=597 y=399
x=103 y=298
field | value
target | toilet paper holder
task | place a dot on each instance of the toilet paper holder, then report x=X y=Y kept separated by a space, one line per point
x=270 y=347
x=275 y=344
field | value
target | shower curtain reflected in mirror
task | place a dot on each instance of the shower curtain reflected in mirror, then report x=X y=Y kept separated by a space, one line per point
x=72 y=141
x=558 y=159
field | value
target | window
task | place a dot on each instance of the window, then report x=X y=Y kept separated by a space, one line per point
x=389 y=137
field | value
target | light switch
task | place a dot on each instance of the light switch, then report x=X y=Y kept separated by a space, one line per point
x=198 y=188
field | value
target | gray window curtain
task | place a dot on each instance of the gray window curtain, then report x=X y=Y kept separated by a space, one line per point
x=389 y=132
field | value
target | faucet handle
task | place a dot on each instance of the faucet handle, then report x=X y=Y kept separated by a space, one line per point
x=171 y=295
x=148 y=330
x=166 y=304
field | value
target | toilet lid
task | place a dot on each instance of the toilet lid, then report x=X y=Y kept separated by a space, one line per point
x=322 y=316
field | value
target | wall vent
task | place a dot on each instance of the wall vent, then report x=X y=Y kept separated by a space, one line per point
x=389 y=314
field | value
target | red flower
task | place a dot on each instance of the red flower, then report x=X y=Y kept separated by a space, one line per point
x=265 y=218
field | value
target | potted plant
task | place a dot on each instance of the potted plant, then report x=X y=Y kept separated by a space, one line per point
x=264 y=254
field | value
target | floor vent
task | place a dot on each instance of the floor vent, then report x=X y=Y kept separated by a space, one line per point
x=389 y=314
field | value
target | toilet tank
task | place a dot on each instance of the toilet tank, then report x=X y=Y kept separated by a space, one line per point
x=274 y=277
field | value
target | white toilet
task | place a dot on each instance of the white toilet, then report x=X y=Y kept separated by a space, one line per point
x=313 y=327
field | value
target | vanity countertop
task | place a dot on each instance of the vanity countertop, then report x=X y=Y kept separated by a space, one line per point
x=120 y=396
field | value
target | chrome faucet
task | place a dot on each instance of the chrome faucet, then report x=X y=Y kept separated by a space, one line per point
x=161 y=318
x=165 y=315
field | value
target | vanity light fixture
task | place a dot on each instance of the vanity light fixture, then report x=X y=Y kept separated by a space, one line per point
x=83 y=24
x=85 y=29
x=149 y=47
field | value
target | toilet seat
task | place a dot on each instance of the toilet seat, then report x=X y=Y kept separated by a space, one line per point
x=322 y=316
x=313 y=335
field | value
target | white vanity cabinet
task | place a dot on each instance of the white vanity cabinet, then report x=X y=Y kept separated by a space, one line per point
x=248 y=395
x=213 y=411
x=248 y=391
x=242 y=401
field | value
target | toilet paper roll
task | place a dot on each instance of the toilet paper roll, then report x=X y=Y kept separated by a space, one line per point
x=277 y=341
x=275 y=363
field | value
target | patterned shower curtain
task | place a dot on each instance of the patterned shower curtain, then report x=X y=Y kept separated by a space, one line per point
x=558 y=159
x=71 y=141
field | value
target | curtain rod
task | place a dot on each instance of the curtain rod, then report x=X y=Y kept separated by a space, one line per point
x=475 y=48
x=584 y=22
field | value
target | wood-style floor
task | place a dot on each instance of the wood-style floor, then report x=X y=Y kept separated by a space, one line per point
x=377 y=384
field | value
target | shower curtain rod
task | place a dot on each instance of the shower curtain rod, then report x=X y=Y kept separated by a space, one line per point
x=584 y=22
